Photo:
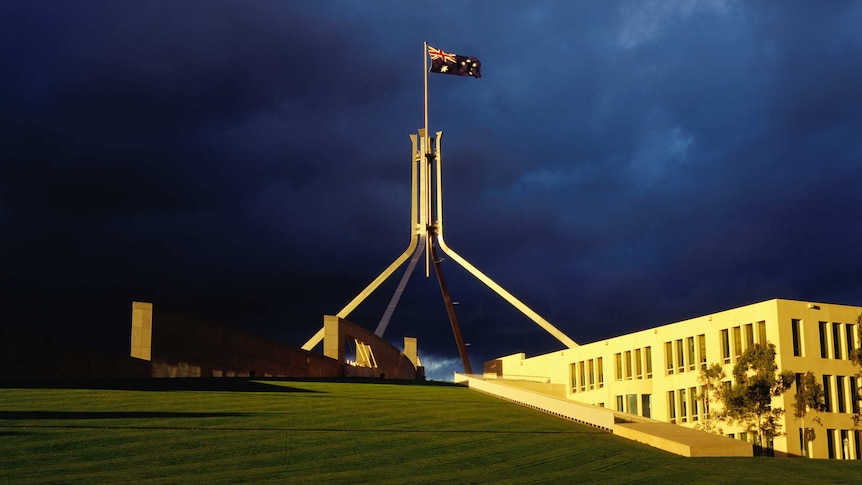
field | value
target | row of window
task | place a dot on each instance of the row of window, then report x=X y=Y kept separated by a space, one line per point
x=683 y=405
x=587 y=375
x=751 y=436
x=742 y=338
x=844 y=391
x=629 y=404
x=837 y=340
x=684 y=353
x=843 y=444
x=633 y=364
x=687 y=353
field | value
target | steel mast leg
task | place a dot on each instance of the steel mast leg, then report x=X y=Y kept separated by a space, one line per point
x=450 y=309
x=414 y=243
x=393 y=302
x=418 y=218
x=523 y=308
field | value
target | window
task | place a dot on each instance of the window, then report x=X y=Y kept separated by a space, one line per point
x=802 y=446
x=620 y=404
x=648 y=359
x=794 y=329
x=601 y=371
x=628 y=364
x=668 y=356
x=854 y=397
x=680 y=363
x=836 y=341
x=761 y=332
x=581 y=376
x=683 y=407
x=827 y=391
x=573 y=372
x=844 y=439
x=857 y=442
x=646 y=405
x=695 y=412
x=632 y=403
x=618 y=366
x=839 y=394
x=749 y=336
x=849 y=331
x=592 y=369
x=701 y=343
x=671 y=406
x=725 y=346
x=824 y=353
x=737 y=342
x=830 y=443
x=689 y=345
x=639 y=367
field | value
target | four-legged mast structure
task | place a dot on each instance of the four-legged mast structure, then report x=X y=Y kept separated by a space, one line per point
x=426 y=223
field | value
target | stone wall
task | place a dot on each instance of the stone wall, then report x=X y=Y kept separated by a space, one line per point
x=182 y=346
x=26 y=357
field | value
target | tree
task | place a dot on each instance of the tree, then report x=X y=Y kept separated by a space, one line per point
x=710 y=384
x=809 y=397
x=756 y=382
x=856 y=357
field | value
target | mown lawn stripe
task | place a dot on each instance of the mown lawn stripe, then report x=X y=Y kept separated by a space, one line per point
x=336 y=432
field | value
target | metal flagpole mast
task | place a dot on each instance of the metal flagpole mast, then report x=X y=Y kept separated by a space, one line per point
x=425 y=72
x=427 y=233
x=426 y=156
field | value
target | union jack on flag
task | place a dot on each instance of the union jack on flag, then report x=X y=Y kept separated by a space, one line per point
x=447 y=63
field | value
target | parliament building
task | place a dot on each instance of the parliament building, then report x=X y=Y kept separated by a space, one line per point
x=653 y=373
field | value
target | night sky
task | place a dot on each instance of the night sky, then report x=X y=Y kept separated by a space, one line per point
x=619 y=165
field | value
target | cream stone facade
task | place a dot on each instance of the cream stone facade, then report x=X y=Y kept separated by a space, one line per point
x=654 y=373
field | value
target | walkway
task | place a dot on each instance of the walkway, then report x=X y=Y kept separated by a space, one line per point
x=669 y=437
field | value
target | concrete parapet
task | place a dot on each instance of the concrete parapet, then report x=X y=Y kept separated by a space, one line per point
x=142 y=330
x=665 y=436
x=582 y=413
x=681 y=440
x=390 y=362
x=180 y=346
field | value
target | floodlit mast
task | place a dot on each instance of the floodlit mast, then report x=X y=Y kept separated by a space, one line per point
x=426 y=223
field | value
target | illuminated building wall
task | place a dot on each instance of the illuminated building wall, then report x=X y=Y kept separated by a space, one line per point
x=654 y=372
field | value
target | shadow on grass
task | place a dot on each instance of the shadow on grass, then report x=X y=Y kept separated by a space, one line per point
x=363 y=380
x=219 y=384
x=31 y=415
x=224 y=384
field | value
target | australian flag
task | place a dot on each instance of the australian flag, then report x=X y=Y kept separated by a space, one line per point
x=446 y=63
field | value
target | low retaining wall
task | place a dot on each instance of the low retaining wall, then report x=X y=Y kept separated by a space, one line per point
x=683 y=441
x=665 y=436
x=581 y=413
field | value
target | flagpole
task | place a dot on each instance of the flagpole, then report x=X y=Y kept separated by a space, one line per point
x=425 y=59
x=426 y=141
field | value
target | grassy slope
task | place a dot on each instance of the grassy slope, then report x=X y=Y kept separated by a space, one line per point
x=280 y=431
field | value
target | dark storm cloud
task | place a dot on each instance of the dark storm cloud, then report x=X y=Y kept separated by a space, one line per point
x=618 y=166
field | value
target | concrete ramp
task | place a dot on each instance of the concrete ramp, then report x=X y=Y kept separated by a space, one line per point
x=665 y=436
x=681 y=440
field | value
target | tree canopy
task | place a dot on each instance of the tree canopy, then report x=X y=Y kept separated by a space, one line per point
x=756 y=381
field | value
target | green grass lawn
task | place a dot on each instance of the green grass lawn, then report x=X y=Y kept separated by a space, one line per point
x=244 y=430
